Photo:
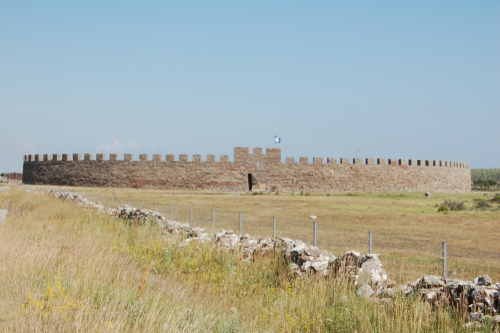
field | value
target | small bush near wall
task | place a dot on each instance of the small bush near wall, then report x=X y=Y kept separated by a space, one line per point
x=453 y=205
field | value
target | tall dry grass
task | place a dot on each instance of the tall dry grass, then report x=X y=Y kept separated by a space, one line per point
x=407 y=229
x=66 y=269
x=60 y=272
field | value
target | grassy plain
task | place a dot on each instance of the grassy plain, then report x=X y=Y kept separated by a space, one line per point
x=67 y=269
x=407 y=229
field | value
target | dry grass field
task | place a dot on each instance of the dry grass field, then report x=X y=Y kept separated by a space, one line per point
x=407 y=229
x=67 y=269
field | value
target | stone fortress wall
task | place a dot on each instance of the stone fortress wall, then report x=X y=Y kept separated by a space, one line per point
x=248 y=171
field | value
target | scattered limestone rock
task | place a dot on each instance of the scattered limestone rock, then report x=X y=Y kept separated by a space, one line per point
x=365 y=291
x=476 y=316
x=294 y=269
x=431 y=281
x=483 y=280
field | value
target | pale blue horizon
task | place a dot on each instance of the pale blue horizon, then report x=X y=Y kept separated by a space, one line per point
x=392 y=79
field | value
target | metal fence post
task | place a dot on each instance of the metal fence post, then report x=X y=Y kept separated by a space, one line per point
x=445 y=271
x=171 y=209
x=155 y=207
x=241 y=224
x=315 y=229
x=213 y=219
x=371 y=242
x=191 y=216
x=274 y=227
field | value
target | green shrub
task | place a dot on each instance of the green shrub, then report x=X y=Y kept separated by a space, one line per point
x=482 y=205
x=496 y=199
x=485 y=183
x=454 y=205
x=443 y=209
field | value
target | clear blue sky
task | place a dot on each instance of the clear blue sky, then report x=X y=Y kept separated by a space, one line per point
x=393 y=79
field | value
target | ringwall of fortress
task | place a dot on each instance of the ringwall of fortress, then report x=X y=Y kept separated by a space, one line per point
x=248 y=171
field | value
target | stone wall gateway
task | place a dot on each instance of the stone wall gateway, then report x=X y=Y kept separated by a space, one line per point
x=294 y=175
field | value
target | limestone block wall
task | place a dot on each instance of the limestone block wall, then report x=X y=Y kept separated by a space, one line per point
x=344 y=174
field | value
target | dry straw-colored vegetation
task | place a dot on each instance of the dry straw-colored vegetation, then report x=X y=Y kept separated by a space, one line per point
x=407 y=229
x=66 y=269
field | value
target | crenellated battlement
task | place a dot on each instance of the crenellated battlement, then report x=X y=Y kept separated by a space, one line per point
x=247 y=171
x=242 y=155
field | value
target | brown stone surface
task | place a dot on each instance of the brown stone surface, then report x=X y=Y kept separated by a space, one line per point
x=223 y=175
x=257 y=154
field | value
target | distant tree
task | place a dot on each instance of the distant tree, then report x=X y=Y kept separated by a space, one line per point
x=485 y=177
